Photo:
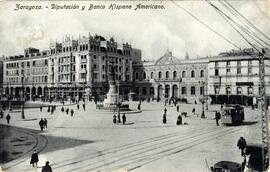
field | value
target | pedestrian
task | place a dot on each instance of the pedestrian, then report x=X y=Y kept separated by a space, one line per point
x=71 y=112
x=84 y=106
x=45 y=123
x=242 y=144
x=177 y=108
x=41 y=124
x=164 y=119
x=8 y=118
x=217 y=117
x=47 y=167
x=165 y=111
x=62 y=109
x=34 y=159
x=195 y=102
x=139 y=106
x=119 y=118
x=78 y=106
x=114 y=119
x=124 y=119
x=49 y=109
x=179 y=120
x=52 y=110
x=67 y=110
x=40 y=108
x=1 y=114
x=193 y=111
x=202 y=116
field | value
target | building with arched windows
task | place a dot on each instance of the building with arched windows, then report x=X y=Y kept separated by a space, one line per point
x=171 y=77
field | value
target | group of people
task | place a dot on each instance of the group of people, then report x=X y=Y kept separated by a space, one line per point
x=34 y=161
x=67 y=111
x=179 y=120
x=118 y=120
x=43 y=124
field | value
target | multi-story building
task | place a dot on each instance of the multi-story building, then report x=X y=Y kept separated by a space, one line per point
x=170 y=77
x=234 y=77
x=71 y=69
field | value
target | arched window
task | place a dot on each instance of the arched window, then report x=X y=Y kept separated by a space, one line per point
x=136 y=75
x=174 y=74
x=192 y=90
x=202 y=73
x=152 y=75
x=184 y=90
x=183 y=74
x=144 y=75
x=192 y=74
x=167 y=74
x=159 y=75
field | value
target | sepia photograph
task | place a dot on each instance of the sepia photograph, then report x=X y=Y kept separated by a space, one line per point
x=141 y=86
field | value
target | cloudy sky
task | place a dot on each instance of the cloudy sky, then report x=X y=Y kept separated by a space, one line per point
x=152 y=31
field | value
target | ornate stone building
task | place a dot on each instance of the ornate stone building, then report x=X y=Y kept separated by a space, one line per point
x=170 y=77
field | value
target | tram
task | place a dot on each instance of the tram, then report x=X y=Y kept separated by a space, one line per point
x=232 y=114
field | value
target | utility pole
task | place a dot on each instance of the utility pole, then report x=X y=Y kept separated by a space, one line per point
x=264 y=122
x=23 y=100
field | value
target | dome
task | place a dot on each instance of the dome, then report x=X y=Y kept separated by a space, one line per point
x=167 y=59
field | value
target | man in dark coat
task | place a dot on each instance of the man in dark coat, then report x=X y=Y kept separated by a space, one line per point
x=242 y=144
x=139 y=106
x=179 y=120
x=34 y=159
x=193 y=111
x=78 y=106
x=40 y=108
x=49 y=109
x=84 y=106
x=177 y=108
x=67 y=110
x=62 y=109
x=119 y=118
x=45 y=123
x=164 y=119
x=124 y=119
x=165 y=111
x=217 y=117
x=8 y=118
x=41 y=124
x=71 y=112
x=114 y=119
x=47 y=167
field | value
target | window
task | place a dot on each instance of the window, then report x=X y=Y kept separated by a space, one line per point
x=202 y=73
x=34 y=63
x=144 y=90
x=103 y=76
x=22 y=64
x=152 y=75
x=238 y=63
x=184 y=90
x=95 y=75
x=228 y=90
x=127 y=78
x=159 y=75
x=103 y=67
x=95 y=57
x=228 y=63
x=167 y=74
x=250 y=90
x=238 y=70
x=95 y=66
x=216 y=72
x=239 y=90
x=144 y=75
x=192 y=74
x=136 y=76
x=192 y=90
x=201 y=90
x=249 y=63
x=249 y=70
x=183 y=74
x=174 y=74
x=216 y=64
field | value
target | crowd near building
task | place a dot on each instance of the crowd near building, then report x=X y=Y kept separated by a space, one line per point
x=81 y=69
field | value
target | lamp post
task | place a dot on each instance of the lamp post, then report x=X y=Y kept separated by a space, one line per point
x=23 y=117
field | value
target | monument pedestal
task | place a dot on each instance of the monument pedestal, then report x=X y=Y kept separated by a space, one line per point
x=112 y=97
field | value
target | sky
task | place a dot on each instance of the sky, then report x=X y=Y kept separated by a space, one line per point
x=152 y=31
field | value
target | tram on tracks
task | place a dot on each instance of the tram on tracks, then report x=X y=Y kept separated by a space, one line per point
x=232 y=114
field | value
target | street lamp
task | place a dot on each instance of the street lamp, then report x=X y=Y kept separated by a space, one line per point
x=23 y=117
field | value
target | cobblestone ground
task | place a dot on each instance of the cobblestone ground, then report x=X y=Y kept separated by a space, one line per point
x=89 y=141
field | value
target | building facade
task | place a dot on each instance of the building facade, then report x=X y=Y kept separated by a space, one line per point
x=234 y=77
x=170 y=77
x=71 y=69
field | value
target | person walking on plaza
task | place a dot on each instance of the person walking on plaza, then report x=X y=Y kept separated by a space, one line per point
x=40 y=108
x=49 y=109
x=179 y=120
x=84 y=106
x=165 y=111
x=114 y=119
x=8 y=118
x=139 y=106
x=193 y=111
x=41 y=124
x=67 y=110
x=47 y=167
x=119 y=118
x=164 y=119
x=177 y=108
x=52 y=110
x=124 y=119
x=203 y=115
x=45 y=123
x=34 y=159
x=71 y=112
x=62 y=109
x=78 y=106
x=1 y=114
x=242 y=144
x=217 y=117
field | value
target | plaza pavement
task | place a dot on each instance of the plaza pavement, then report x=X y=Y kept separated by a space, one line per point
x=89 y=141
